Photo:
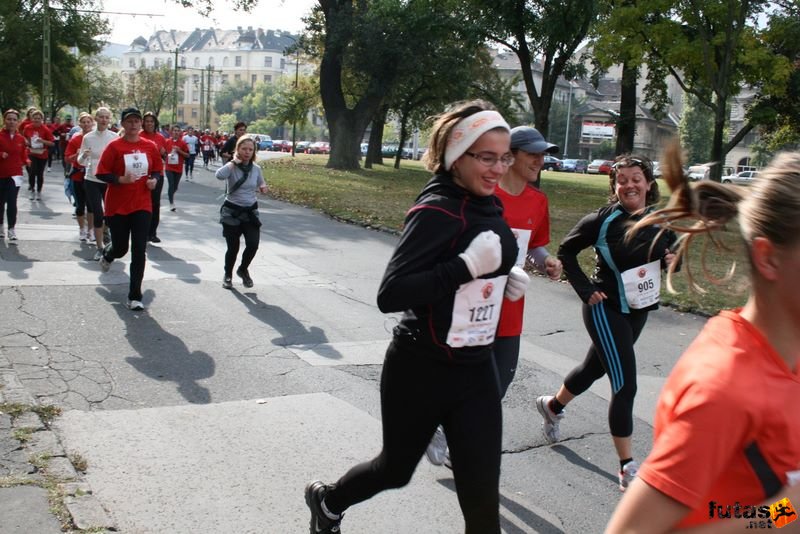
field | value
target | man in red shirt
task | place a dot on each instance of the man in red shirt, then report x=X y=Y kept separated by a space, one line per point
x=13 y=154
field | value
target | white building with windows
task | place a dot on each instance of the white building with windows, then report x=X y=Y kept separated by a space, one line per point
x=210 y=58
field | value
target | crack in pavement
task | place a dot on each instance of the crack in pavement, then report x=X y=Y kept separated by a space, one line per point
x=547 y=445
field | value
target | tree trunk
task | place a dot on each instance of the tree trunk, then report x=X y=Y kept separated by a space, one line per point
x=375 y=150
x=626 y=123
x=717 y=151
x=346 y=132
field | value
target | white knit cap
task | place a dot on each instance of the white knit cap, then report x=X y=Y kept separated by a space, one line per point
x=467 y=131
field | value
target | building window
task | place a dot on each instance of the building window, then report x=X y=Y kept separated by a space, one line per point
x=183 y=62
x=194 y=96
x=253 y=79
x=283 y=63
x=237 y=77
x=195 y=78
x=142 y=63
x=224 y=79
x=268 y=61
x=157 y=62
x=169 y=63
x=194 y=113
x=267 y=78
x=225 y=61
x=197 y=62
x=132 y=63
x=237 y=61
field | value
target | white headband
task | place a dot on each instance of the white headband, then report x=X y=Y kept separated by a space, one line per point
x=467 y=131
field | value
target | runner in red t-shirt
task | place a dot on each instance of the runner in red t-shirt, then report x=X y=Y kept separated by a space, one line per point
x=132 y=167
x=726 y=433
x=77 y=173
x=13 y=155
x=39 y=139
x=176 y=151
x=207 y=147
x=151 y=133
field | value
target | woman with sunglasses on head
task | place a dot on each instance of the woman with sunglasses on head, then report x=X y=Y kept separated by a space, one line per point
x=624 y=288
x=448 y=274
x=39 y=139
x=726 y=429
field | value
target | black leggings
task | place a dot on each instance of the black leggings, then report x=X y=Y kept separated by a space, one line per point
x=95 y=192
x=80 y=197
x=8 y=201
x=36 y=174
x=208 y=155
x=173 y=179
x=506 y=354
x=252 y=236
x=613 y=335
x=155 y=197
x=188 y=163
x=133 y=227
x=466 y=401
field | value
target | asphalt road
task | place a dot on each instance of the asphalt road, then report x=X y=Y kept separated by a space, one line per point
x=209 y=411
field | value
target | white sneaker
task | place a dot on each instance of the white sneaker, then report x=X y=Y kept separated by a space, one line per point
x=437 y=448
x=82 y=235
x=172 y=207
x=90 y=235
x=105 y=265
x=135 y=305
x=38 y=196
x=550 y=420
x=31 y=194
x=12 y=234
x=97 y=255
x=627 y=475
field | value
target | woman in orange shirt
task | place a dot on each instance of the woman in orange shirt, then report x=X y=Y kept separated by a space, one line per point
x=726 y=436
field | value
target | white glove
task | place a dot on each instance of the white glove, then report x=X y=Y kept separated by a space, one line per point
x=483 y=255
x=516 y=284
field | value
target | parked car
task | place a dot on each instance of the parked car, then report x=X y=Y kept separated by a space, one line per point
x=263 y=142
x=699 y=172
x=302 y=147
x=281 y=145
x=599 y=166
x=551 y=163
x=320 y=147
x=364 y=148
x=574 y=165
x=742 y=178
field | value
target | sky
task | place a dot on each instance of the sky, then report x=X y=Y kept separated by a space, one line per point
x=269 y=15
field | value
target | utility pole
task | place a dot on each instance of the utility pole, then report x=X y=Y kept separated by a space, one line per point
x=175 y=90
x=296 y=81
x=569 y=113
x=47 y=87
x=202 y=97
x=208 y=97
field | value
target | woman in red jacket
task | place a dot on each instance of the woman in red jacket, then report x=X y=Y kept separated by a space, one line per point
x=39 y=139
x=78 y=172
x=12 y=158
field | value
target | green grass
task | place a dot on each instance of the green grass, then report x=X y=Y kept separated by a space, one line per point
x=379 y=197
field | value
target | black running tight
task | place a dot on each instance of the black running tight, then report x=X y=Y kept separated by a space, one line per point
x=613 y=335
x=133 y=227
x=233 y=234
x=36 y=174
x=418 y=394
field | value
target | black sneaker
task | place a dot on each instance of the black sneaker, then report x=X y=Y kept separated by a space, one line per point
x=245 y=276
x=320 y=523
x=154 y=239
x=227 y=283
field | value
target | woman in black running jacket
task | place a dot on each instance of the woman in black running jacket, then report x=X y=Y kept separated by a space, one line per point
x=448 y=275
x=616 y=300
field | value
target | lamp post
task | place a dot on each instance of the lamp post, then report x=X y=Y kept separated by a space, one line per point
x=569 y=113
x=296 y=81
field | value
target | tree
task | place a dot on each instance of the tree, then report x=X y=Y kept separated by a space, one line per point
x=256 y=104
x=226 y=122
x=554 y=30
x=291 y=105
x=713 y=49
x=229 y=98
x=102 y=89
x=72 y=27
x=696 y=129
x=150 y=88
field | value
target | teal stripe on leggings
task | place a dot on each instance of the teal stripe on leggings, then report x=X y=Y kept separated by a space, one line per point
x=609 y=347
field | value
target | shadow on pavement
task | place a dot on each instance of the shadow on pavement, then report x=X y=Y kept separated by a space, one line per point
x=170 y=264
x=293 y=331
x=573 y=458
x=526 y=516
x=18 y=263
x=161 y=355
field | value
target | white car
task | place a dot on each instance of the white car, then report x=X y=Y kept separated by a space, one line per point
x=742 y=178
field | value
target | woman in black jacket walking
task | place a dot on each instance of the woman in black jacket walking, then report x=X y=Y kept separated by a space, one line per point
x=448 y=274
